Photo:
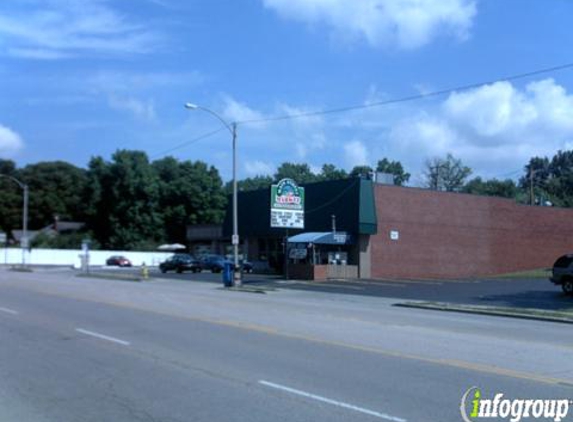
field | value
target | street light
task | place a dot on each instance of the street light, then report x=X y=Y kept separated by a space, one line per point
x=235 y=238
x=24 y=239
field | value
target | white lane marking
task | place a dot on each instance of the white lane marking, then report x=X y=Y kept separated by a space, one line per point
x=9 y=311
x=333 y=402
x=103 y=337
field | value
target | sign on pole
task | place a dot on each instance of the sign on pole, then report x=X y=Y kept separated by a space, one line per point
x=287 y=205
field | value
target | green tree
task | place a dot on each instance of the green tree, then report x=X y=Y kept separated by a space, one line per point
x=190 y=193
x=98 y=199
x=300 y=173
x=250 y=183
x=502 y=188
x=10 y=198
x=394 y=168
x=124 y=207
x=362 y=171
x=550 y=180
x=331 y=172
x=446 y=174
x=56 y=189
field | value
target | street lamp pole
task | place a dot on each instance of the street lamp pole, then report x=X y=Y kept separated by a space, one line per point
x=24 y=239
x=235 y=238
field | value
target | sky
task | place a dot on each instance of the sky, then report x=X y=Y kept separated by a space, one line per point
x=83 y=78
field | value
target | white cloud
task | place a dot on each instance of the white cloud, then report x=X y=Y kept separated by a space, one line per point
x=258 y=168
x=235 y=111
x=492 y=128
x=123 y=90
x=129 y=82
x=10 y=142
x=406 y=23
x=140 y=109
x=356 y=154
x=52 y=29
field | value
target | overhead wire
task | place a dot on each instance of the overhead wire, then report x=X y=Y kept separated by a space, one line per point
x=407 y=98
x=187 y=143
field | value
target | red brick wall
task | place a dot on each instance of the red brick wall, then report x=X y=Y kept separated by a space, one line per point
x=458 y=235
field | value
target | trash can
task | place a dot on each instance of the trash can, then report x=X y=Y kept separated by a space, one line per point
x=228 y=274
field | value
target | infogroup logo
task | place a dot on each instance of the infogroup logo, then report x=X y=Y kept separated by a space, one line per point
x=474 y=407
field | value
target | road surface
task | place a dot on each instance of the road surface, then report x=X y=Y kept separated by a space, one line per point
x=77 y=349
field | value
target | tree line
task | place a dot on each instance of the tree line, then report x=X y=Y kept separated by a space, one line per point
x=130 y=202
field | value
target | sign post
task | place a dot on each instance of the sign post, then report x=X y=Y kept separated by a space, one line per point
x=287 y=205
x=287 y=210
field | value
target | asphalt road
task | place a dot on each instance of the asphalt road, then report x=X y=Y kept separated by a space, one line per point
x=94 y=350
x=518 y=292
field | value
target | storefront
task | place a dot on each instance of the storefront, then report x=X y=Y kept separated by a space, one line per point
x=348 y=203
x=318 y=256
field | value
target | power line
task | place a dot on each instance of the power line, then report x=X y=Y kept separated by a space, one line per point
x=408 y=98
x=186 y=143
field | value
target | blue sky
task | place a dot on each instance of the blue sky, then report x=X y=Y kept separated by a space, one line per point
x=81 y=78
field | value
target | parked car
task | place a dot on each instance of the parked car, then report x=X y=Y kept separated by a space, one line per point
x=118 y=261
x=562 y=273
x=247 y=267
x=180 y=263
x=216 y=264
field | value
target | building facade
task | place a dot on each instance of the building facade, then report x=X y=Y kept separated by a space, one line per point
x=402 y=232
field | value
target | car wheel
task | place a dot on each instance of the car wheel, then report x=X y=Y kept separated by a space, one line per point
x=567 y=287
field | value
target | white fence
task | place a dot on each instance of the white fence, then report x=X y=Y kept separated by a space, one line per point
x=72 y=257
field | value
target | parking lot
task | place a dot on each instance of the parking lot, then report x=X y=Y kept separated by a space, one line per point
x=512 y=292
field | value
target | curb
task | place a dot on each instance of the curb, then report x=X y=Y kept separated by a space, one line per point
x=111 y=277
x=525 y=313
x=247 y=289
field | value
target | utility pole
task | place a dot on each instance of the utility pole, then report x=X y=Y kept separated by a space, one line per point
x=232 y=128
x=531 y=172
x=24 y=242
x=25 y=225
x=237 y=272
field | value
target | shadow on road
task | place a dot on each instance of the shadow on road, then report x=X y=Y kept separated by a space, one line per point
x=538 y=299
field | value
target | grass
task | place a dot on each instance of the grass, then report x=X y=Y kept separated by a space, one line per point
x=562 y=315
x=538 y=273
x=122 y=277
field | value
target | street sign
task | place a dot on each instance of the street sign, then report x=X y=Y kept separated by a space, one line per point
x=24 y=243
x=235 y=239
x=287 y=205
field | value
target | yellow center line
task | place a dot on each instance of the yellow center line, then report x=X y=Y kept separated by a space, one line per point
x=453 y=363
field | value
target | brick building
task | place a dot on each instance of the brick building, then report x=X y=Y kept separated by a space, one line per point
x=413 y=233
x=444 y=234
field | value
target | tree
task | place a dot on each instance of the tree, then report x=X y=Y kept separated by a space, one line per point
x=331 y=172
x=362 y=171
x=56 y=189
x=502 y=188
x=123 y=211
x=446 y=174
x=10 y=198
x=250 y=183
x=394 y=168
x=190 y=193
x=300 y=173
